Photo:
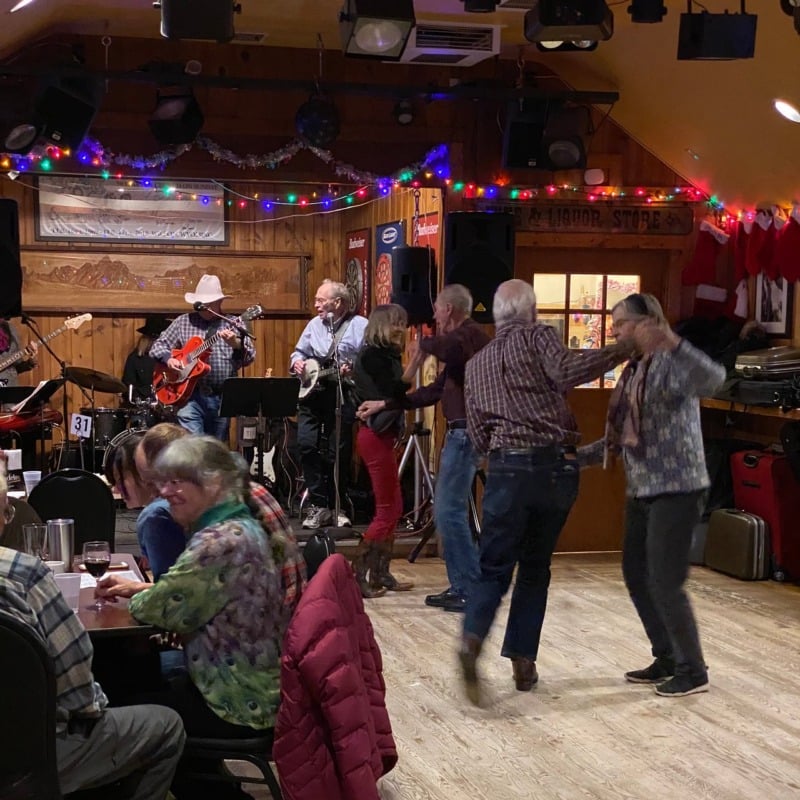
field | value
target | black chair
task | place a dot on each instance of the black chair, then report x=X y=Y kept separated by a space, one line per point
x=28 y=765
x=23 y=515
x=257 y=751
x=79 y=495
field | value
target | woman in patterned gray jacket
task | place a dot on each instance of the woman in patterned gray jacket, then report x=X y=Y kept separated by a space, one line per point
x=654 y=423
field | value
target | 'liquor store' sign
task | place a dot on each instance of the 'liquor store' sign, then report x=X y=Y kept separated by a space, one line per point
x=648 y=220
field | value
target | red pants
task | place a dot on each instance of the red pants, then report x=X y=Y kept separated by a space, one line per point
x=377 y=452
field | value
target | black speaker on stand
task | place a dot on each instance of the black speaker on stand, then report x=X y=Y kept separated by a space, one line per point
x=10 y=267
x=479 y=253
x=414 y=282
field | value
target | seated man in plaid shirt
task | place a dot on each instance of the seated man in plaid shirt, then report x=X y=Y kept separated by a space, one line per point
x=95 y=745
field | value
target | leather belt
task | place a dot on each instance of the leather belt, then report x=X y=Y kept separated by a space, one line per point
x=456 y=425
x=544 y=454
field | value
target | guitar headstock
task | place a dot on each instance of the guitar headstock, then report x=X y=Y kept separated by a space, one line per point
x=252 y=312
x=75 y=322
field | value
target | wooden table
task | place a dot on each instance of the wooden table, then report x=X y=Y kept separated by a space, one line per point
x=113 y=619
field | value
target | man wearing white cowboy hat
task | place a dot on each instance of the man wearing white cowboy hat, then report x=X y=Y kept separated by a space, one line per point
x=227 y=355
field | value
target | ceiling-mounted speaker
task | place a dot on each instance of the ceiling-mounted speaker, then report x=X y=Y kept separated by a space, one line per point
x=177 y=118
x=208 y=20
x=545 y=135
x=716 y=37
x=63 y=117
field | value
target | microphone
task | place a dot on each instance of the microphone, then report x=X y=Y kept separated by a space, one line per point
x=25 y=317
x=198 y=306
x=329 y=319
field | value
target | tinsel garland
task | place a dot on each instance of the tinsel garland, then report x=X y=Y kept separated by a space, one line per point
x=273 y=160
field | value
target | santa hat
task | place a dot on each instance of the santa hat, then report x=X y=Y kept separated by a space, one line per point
x=702 y=267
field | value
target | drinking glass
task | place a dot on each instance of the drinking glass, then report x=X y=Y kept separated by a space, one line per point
x=34 y=537
x=96 y=559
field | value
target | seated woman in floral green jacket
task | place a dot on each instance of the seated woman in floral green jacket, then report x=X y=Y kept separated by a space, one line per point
x=223 y=595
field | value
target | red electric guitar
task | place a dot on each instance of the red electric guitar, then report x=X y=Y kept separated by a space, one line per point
x=175 y=387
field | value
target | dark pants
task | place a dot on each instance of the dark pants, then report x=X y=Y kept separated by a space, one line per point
x=316 y=439
x=655 y=564
x=525 y=505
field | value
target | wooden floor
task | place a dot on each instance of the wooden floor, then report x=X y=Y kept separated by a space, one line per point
x=584 y=732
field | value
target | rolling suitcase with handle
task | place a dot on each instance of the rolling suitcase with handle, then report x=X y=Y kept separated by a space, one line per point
x=764 y=484
x=737 y=543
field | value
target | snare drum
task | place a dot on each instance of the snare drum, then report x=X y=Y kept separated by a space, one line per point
x=108 y=423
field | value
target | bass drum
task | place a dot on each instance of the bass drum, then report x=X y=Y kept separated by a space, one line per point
x=108 y=423
x=129 y=434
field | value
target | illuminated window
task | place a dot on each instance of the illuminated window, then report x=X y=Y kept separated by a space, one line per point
x=579 y=307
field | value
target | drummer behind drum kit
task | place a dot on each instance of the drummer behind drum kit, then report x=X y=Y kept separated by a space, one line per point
x=107 y=423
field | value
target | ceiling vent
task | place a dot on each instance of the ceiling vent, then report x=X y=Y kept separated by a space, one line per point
x=244 y=37
x=451 y=44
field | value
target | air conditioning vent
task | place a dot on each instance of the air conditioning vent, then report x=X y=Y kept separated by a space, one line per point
x=249 y=38
x=457 y=45
x=517 y=5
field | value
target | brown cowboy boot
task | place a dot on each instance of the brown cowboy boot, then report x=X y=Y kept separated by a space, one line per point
x=365 y=562
x=385 y=578
x=468 y=653
x=525 y=674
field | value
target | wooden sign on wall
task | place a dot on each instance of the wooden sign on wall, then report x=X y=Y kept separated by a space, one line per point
x=648 y=219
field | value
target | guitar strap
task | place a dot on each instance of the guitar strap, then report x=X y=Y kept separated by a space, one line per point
x=337 y=337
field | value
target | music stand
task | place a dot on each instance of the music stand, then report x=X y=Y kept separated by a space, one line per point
x=27 y=398
x=262 y=398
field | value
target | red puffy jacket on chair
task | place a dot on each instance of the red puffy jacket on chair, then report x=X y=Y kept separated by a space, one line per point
x=333 y=738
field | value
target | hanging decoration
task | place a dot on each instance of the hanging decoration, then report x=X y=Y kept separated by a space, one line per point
x=701 y=269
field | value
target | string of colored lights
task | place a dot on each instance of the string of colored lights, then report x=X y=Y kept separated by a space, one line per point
x=432 y=170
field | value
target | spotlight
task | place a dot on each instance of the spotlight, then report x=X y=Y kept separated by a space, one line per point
x=647 y=10
x=569 y=21
x=376 y=28
x=585 y=45
x=480 y=6
x=177 y=118
x=21 y=139
x=787 y=110
x=317 y=121
x=404 y=112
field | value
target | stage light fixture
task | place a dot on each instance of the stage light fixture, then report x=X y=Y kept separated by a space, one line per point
x=177 y=118
x=569 y=21
x=585 y=46
x=647 y=10
x=21 y=139
x=716 y=37
x=376 y=28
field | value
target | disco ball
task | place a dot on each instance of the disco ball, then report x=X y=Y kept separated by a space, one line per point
x=317 y=122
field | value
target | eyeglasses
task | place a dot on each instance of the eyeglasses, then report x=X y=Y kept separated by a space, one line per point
x=173 y=486
x=8 y=513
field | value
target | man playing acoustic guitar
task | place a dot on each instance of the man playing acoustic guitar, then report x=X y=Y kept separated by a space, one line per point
x=333 y=327
x=229 y=352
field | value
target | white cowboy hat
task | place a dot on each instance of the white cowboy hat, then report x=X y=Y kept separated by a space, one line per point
x=208 y=290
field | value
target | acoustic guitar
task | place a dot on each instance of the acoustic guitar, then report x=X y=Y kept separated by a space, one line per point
x=73 y=323
x=175 y=387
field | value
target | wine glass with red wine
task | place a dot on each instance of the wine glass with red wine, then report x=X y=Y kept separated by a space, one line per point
x=97 y=559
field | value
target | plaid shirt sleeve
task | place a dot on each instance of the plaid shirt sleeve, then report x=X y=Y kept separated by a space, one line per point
x=29 y=591
x=285 y=551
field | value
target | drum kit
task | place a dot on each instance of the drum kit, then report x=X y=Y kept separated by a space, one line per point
x=107 y=423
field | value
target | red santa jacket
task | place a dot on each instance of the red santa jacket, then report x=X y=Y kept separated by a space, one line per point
x=333 y=738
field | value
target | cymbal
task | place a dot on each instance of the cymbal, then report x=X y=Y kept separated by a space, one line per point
x=93 y=379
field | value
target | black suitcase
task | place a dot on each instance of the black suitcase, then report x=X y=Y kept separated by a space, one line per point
x=737 y=543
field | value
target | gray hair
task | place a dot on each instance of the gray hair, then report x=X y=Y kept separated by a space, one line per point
x=338 y=291
x=457 y=296
x=514 y=301
x=202 y=460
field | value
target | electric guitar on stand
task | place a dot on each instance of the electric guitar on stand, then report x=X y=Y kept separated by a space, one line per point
x=175 y=387
x=73 y=323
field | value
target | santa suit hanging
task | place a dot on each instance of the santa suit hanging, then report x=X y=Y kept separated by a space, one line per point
x=787 y=247
x=760 y=245
x=702 y=267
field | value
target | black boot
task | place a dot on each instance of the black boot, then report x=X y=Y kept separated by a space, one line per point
x=385 y=578
x=365 y=565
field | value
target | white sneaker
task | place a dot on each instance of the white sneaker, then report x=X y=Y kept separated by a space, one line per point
x=343 y=521
x=317 y=517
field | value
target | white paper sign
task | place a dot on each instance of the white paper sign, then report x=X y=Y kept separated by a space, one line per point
x=80 y=425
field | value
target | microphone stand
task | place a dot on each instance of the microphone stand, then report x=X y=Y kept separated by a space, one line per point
x=337 y=427
x=232 y=321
